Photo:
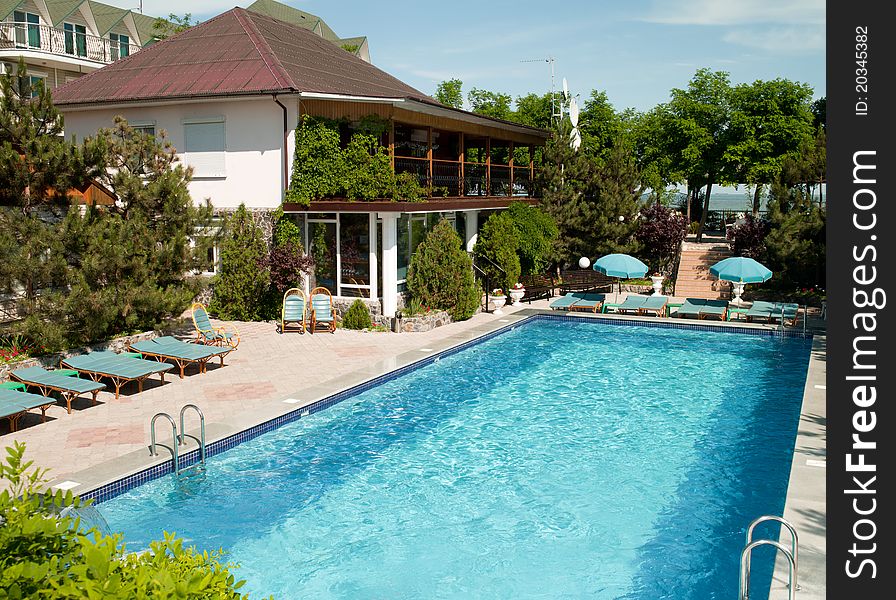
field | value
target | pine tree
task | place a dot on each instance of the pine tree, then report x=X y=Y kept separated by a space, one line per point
x=241 y=285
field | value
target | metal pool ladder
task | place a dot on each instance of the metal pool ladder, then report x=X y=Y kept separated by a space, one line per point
x=178 y=439
x=791 y=554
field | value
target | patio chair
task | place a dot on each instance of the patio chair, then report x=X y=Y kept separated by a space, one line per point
x=588 y=302
x=294 y=312
x=715 y=309
x=632 y=304
x=118 y=368
x=48 y=381
x=654 y=305
x=180 y=353
x=690 y=308
x=206 y=333
x=566 y=301
x=322 y=312
x=14 y=405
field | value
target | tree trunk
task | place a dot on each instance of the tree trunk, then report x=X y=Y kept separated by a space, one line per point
x=705 y=211
x=688 y=201
x=820 y=193
x=757 y=198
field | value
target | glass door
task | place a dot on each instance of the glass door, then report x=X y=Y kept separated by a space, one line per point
x=322 y=248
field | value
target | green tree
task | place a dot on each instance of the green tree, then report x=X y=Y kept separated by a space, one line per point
x=440 y=274
x=534 y=110
x=701 y=115
x=600 y=125
x=770 y=120
x=44 y=554
x=535 y=233
x=450 y=92
x=174 y=24
x=241 y=285
x=357 y=316
x=490 y=104
x=497 y=244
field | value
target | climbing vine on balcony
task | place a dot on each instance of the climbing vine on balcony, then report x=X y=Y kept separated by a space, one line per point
x=361 y=170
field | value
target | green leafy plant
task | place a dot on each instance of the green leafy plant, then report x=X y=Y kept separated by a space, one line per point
x=357 y=316
x=46 y=555
x=498 y=244
x=241 y=285
x=17 y=347
x=535 y=232
x=440 y=274
x=414 y=307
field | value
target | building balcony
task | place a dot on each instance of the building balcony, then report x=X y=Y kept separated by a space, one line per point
x=70 y=46
x=454 y=179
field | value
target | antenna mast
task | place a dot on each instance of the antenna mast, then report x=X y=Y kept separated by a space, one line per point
x=556 y=108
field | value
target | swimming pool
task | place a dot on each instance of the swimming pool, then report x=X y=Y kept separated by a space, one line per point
x=563 y=459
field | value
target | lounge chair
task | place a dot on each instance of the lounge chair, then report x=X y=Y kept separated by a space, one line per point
x=690 y=308
x=654 y=305
x=119 y=369
x=770 y=312
x=206 y=333
x=716 y=309
x=48 y=381
x=180 y=353
x=566 y=301
x=631 y=304
x=14 y=404
x=294 y=312
x=588 y=302
x=322 y=312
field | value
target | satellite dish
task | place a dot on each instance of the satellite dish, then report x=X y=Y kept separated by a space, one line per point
x=575 y=137
x=565 y=89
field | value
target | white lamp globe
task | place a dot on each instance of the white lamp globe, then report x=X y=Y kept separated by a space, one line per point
x=584 y=262
x=621 y=218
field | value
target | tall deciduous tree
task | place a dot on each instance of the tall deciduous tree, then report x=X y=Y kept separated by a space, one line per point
x=769 y=121
x=490 y=104
x=700 y=128
x=450 y=92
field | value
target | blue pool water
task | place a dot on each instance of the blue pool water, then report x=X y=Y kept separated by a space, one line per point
x=558 y=460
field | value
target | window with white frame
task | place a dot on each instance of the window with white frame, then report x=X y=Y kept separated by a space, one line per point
x=204 y=147
x=75 y=39
x=27 y=29
x=144 y=127
x=210 y=237
x=119 y=45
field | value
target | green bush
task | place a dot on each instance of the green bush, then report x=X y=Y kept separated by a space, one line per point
x=498 y=244
x=242 y=283
x=440 y=274
x=357 y=316
x=535 y=231
x=43 y=555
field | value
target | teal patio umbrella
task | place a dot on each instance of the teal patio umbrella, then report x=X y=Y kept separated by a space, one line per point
x=740 y=270
x=620 y=266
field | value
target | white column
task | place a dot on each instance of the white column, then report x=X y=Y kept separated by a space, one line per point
x=374 y=292
x=390 y=263
x=472 y=224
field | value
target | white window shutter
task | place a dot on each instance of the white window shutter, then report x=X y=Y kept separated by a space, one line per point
x=205 y=149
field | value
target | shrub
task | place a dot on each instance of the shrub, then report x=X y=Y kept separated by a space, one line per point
x=357 y=316
x=535 y=233
x=796 y=245
x=498 y=244
x=241 y=285
x=45 y=555
x=440 y=274
x=748 y=238
x=660 y=232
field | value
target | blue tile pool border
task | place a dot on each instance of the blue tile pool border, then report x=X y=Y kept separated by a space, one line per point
x=188 y=459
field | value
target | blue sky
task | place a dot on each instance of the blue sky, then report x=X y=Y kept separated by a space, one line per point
x=635 y=50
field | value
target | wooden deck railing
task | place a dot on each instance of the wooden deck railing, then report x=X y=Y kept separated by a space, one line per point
x=469 y=178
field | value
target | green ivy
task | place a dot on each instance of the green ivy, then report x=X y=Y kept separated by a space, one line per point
x=362 y=170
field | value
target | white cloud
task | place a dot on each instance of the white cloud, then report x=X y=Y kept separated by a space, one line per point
x=794 y=40
x=734 y=12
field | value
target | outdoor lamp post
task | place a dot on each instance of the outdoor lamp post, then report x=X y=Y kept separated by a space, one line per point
x=584 y=262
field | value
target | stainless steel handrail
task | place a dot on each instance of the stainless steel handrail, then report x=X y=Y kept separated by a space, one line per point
x=745 y=568
x=183 y=434
x=174 y=442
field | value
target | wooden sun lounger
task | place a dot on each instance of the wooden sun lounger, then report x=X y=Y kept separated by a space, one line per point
x=631 y=304
x=14 y=405
x=119 y=369
x=181 y=353
x=48 y=381
x=654 y=305
x=770 y=312
x=588 y=302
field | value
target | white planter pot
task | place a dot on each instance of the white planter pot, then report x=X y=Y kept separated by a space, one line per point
x=516 y=296
x=738 y=289
x=657 y=284
x=498 y=302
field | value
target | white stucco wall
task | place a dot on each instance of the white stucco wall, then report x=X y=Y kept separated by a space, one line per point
x=253 y=144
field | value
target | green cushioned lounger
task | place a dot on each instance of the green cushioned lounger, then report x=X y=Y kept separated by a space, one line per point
x=49 y=381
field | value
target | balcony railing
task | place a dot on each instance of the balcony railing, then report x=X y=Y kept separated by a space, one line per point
x=469 y=178
x=43 y=38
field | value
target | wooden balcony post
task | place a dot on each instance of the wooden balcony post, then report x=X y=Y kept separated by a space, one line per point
x=392 y=143
x=460 y=159
x=510 y=162
x=430 y=178
x=531 y=189
x=488 y=165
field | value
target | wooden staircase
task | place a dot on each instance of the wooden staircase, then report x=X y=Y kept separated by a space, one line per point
x=694 y=280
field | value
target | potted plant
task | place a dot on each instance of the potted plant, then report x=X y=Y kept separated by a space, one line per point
x=497 y=298
x=657 y=280
x=516 y=293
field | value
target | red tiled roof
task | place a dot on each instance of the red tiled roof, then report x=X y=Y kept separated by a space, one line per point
x=236 y=53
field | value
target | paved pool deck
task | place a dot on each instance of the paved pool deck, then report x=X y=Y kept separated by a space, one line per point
x=272 y=374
